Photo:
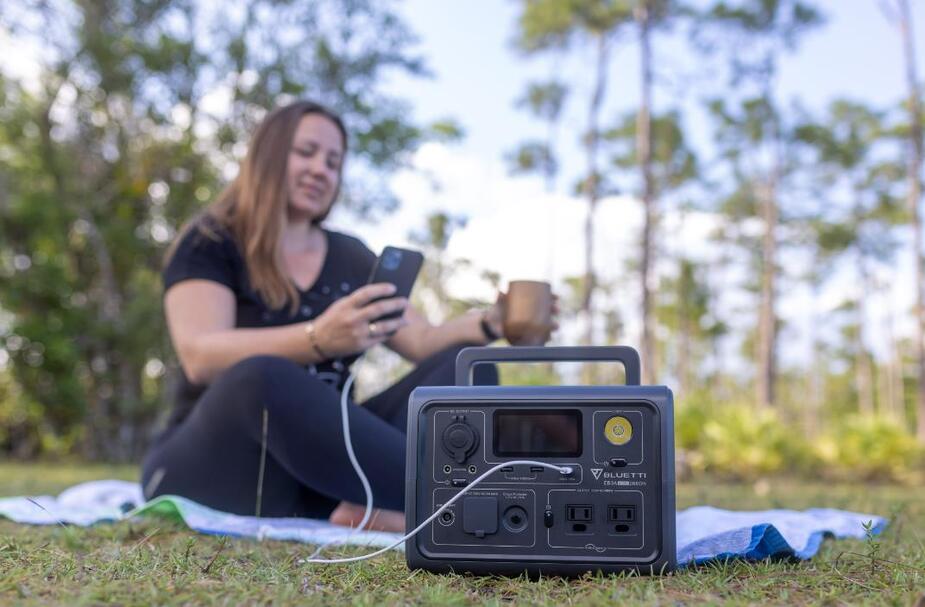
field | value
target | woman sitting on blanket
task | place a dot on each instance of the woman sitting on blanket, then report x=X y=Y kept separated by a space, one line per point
x=267 y=310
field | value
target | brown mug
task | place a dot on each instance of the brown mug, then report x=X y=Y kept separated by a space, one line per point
x=526 y=312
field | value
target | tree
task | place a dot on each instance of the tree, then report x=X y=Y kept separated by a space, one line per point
x=545 y=101
x=116 y=148
x=85 y=215
x=669 y=165
x=433 y=240
x=843 y=157
x=900 y=14
x=756 y=31
x=555 y=26
x=685 y=310
x=648 y=16
x=741 y=133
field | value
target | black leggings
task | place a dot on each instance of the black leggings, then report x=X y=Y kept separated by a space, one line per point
x=214 y=456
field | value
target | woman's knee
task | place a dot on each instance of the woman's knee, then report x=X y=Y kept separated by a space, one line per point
x=273 y=384
x=262 y=379
x=259 y=369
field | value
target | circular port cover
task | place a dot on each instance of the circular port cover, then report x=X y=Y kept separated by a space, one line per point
x=460 y=440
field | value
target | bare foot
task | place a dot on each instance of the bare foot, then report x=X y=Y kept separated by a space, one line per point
x=350 y=515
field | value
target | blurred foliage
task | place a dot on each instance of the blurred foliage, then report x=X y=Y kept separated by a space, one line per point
x=115 y=143
x=742 y=442
x=673 y=162
x=545 y=101
x=858 y=447
x=141 y=109
x=549 y=24
x=738 y=441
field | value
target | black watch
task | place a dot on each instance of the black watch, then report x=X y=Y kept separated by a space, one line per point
x=487 y=331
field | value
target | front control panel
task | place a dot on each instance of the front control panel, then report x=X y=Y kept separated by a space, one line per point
x=613 y=512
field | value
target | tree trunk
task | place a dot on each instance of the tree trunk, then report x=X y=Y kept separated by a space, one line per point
x=900 y=379
x=814 y=380
x=684 y=355
x=129 y=409
x=914 y=196
x=863 y=372
x=716 y=279
x=884 y=373
x=592 y=185
x=863 y=378
x=549 y=182
x=895 y=391
x=644 y=149
x=767 y=320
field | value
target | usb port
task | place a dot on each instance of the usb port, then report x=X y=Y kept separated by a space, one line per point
x=625 y=514
x=578 y=513
x=507 y=469
x=536 y=468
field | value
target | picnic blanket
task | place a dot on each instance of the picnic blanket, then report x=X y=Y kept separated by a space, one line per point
x=704 y=533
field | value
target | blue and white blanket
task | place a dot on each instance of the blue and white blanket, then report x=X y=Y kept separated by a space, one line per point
x=703 y=533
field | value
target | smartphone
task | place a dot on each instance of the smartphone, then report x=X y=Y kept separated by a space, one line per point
x=399 y=267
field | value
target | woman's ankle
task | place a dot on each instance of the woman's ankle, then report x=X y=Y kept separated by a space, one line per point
x=350 y=515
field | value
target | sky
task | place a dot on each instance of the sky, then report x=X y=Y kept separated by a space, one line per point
x=479 y=75
x=519 y=230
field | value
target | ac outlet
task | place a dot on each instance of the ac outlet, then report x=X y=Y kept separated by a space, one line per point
x=583 y=513
x=621 y=514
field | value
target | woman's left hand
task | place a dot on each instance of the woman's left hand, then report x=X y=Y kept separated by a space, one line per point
x=555 y=312
x=494 y=315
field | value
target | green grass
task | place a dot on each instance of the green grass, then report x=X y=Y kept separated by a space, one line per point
x=157 y=562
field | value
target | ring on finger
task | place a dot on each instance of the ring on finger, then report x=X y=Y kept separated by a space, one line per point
x=373 y=329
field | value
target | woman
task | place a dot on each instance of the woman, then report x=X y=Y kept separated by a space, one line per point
x=267 y=310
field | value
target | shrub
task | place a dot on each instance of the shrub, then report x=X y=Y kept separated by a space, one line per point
x=869 y=448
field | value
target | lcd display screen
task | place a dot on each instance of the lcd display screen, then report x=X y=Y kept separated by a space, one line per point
x=537 y=433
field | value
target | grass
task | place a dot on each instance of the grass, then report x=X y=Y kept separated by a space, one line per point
x=156 y=562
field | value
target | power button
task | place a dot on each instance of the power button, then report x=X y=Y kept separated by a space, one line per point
x=618 y=430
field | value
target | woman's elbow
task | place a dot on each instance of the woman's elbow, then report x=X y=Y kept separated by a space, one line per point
x=194 y=364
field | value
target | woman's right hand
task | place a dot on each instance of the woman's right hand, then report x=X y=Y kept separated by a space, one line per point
x=347 y=326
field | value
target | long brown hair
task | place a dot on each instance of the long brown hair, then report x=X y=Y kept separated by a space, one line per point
x=253 y=206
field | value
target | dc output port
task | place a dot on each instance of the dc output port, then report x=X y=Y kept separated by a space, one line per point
x=447 y=517
x=447 y=469
x=472 y=469
x=515 y=519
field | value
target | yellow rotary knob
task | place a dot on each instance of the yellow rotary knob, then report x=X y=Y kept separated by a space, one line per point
x=618 y=430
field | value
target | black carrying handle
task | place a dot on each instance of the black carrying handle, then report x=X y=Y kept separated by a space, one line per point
x=468 y=357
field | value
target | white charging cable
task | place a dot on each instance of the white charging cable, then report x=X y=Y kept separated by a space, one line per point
x=369 y=492
x=561 y=469
x=348 y=442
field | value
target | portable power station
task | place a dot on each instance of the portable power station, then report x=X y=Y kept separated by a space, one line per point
x=610 y=506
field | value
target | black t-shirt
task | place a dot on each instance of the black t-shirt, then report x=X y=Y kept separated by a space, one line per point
x=346 y=267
